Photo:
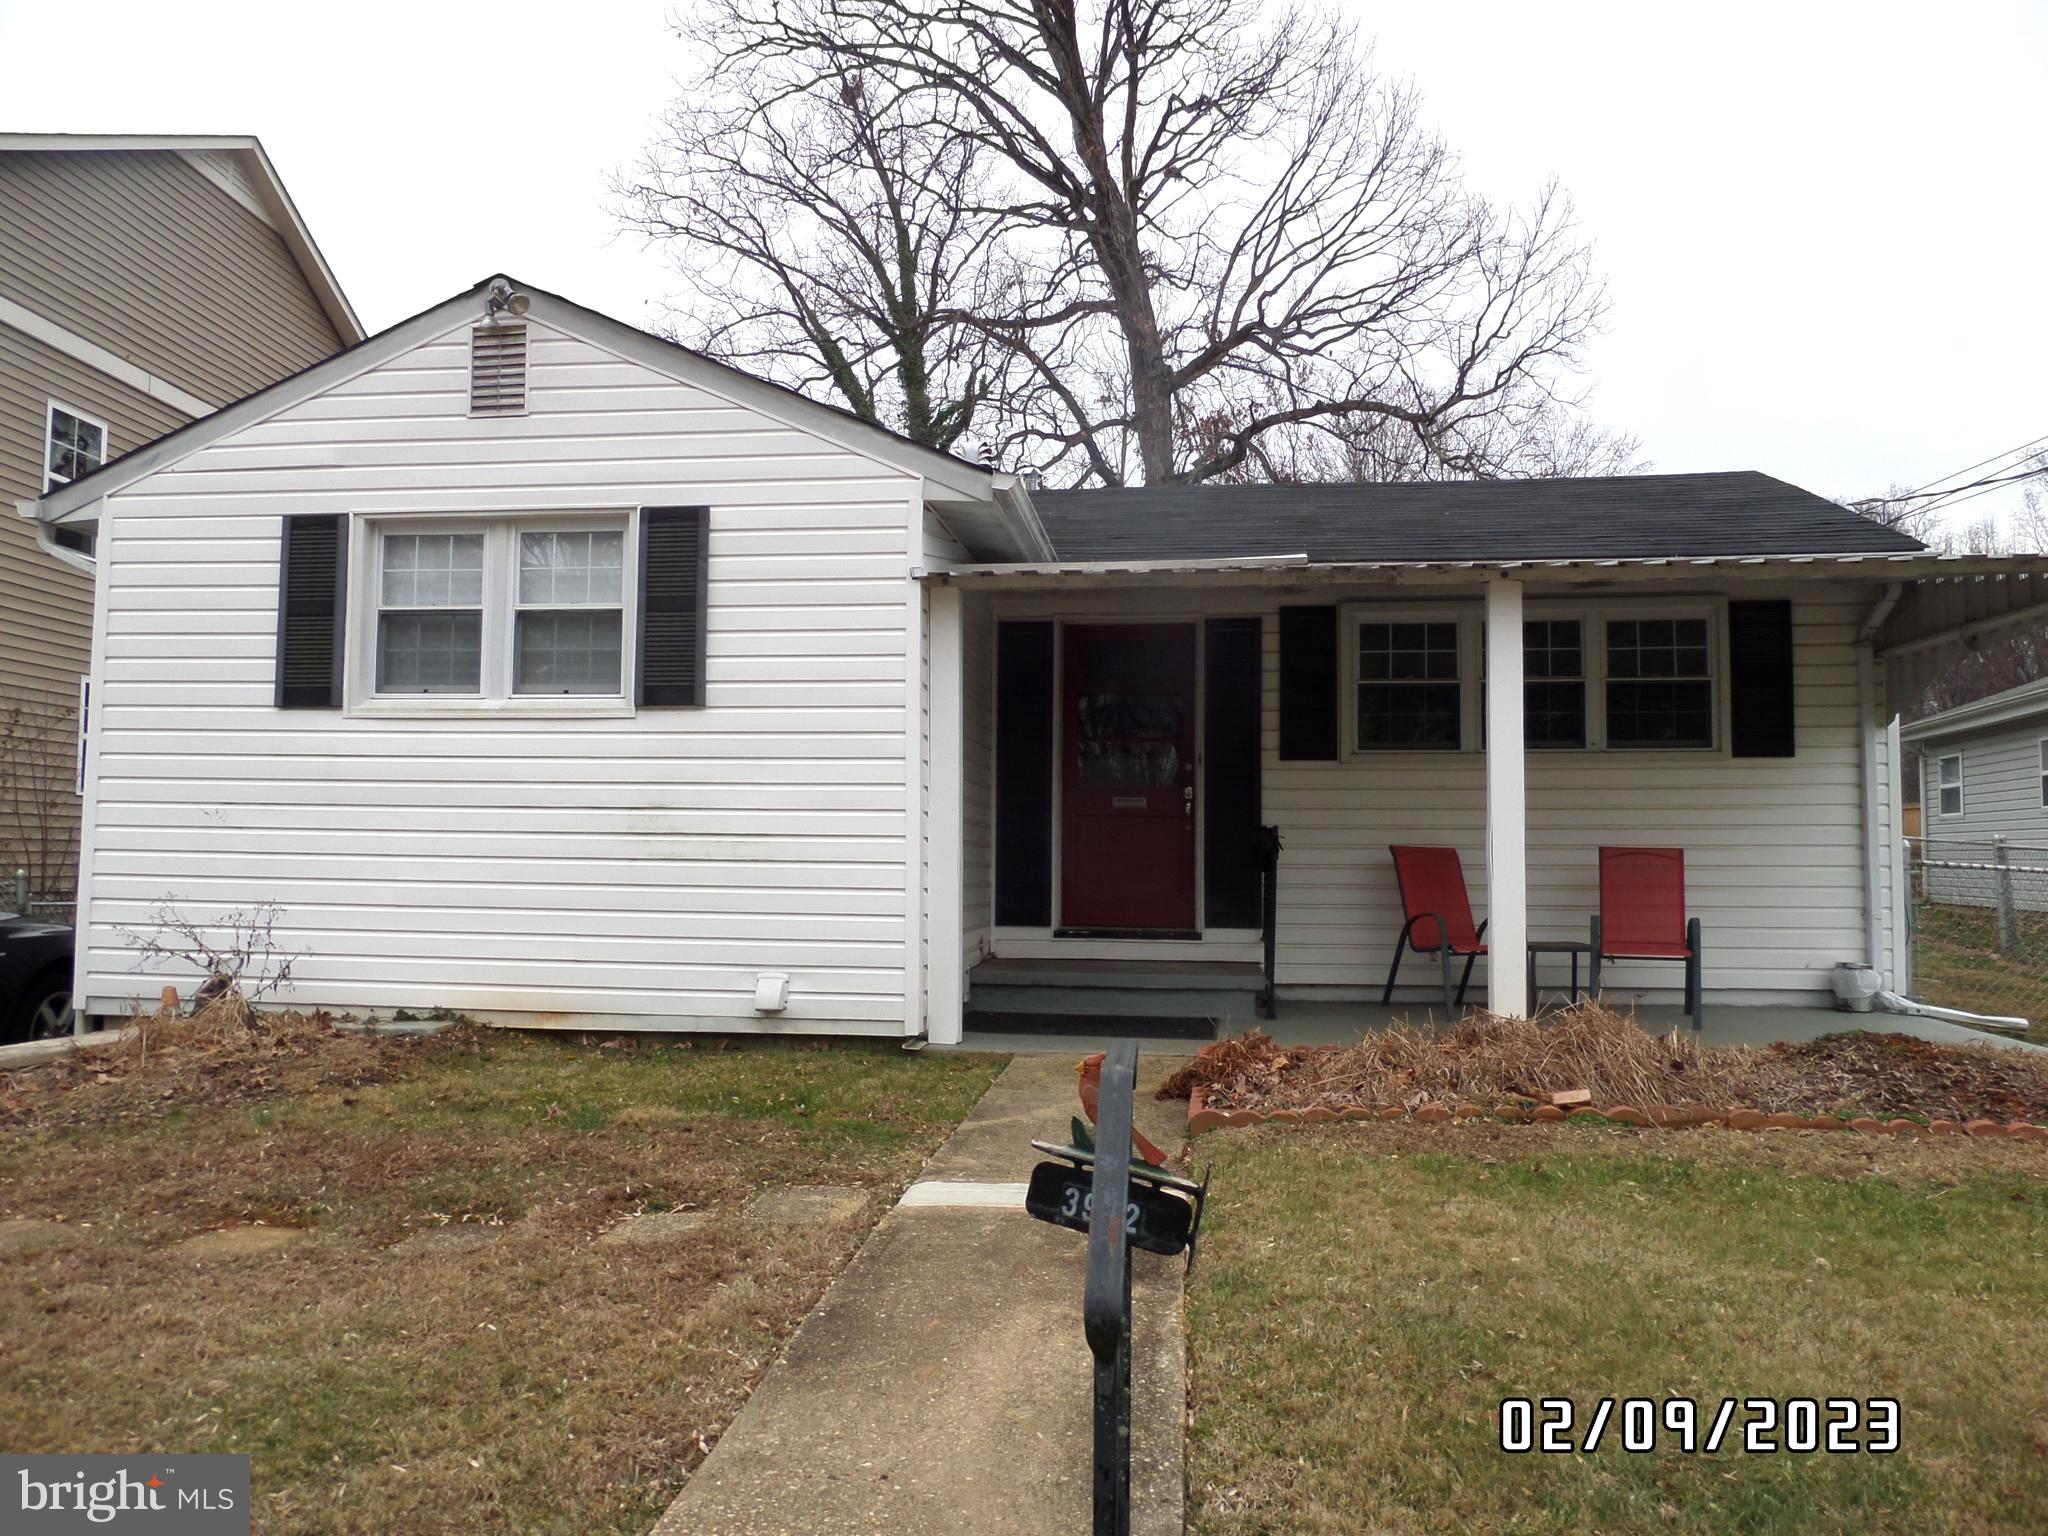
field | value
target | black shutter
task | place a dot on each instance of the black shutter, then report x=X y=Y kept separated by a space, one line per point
x=674 y=554
x=1024 y=774
x=312 y=607
x=1760 y=678
x=1308 y=684
x=1230 y=737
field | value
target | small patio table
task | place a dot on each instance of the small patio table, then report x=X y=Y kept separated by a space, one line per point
x=1572 y=947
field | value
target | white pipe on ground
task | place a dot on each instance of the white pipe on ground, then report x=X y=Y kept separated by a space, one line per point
x=1893 y=1003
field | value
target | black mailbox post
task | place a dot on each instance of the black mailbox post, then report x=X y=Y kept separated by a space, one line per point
x=1121 y=1208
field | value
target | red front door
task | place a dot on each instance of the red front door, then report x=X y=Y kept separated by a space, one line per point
x=1127 y=849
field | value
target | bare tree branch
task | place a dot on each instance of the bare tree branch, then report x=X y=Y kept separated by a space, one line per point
x=1196 y=241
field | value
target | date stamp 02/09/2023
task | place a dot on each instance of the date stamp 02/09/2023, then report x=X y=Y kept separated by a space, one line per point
x=1753 y=1426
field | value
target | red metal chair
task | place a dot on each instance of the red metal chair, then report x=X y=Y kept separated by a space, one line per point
x=1642 y=917
x=1439 y=917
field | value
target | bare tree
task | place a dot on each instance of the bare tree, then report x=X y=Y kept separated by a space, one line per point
x=1228 y=244
x=2017 y=656
x=830 y=239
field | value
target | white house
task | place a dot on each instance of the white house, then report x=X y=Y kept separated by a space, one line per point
x=536 y=667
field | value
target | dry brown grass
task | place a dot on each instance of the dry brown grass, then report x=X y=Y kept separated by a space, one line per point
x=1493 y=1061
x=384 y=1374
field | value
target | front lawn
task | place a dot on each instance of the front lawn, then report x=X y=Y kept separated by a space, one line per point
x=444 y=1345
x=1367 y=1296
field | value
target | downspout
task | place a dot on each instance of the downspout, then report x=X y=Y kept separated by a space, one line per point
x=1866 y=710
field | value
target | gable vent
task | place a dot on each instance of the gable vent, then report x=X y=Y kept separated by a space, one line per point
x=497 y=370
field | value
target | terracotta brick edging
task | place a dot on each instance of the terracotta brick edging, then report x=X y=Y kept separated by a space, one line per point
x=1201 y=1117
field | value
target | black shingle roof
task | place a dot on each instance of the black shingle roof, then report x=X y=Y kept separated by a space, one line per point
x=1629 y=517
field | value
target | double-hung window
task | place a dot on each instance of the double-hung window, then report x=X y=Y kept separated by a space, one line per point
x=569 y=619
x=1660 y=683
x=1410 y=686
x=1948 y=783
x=1553 y=683
x=2044 y=773
x=430 y=613
x=492 y=612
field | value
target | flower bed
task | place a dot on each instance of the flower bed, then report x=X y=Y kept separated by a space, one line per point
x=1592 y=1062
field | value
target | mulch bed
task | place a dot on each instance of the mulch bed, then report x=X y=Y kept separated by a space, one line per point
x=224 y=1054
x=1519 y=1065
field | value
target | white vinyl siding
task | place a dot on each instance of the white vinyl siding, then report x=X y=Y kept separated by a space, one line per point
x=1774 y=846
x=642 y=867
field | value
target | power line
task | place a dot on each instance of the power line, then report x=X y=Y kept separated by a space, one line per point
x=1986 y=483
x=1985 y=490
x=1995 y=458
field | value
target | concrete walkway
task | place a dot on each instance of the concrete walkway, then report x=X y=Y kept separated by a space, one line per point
x=943 y=1384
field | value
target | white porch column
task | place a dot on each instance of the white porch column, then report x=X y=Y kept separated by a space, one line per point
x=945 y=952
x=1507 y=872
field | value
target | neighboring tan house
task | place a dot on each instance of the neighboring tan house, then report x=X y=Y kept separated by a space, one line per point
x=1984 y=777
x=144 y=282
x=537 y=667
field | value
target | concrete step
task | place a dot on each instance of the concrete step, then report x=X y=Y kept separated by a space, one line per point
x=1110 y=1002
x=1122 y=975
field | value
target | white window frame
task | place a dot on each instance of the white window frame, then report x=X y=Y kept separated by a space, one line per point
x=1942 y=786
x=50 y=410
x=501 y=532
x=1715 y=615
x=2043 y=746
x=1592 y=616
x=1467 y=619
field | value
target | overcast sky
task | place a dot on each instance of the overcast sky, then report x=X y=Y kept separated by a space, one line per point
x=1822 y=224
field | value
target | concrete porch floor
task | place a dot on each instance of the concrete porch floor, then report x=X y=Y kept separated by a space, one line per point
x=1326 y=1023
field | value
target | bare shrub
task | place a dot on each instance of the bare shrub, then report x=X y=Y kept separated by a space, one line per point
x=236 y=953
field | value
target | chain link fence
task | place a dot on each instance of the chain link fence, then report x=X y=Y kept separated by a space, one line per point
x=21 y=898
x=1980 y=925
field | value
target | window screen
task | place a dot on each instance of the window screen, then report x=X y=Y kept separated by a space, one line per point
x=568 y=633
x=430 y=613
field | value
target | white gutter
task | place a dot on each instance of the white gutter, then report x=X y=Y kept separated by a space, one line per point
x=1866 y=719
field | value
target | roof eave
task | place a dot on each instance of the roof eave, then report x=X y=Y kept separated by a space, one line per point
x=951 y=476
x=1884 y=566
x=2029 y=700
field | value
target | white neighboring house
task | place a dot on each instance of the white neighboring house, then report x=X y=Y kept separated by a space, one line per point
x=539 y=668
x=1984 y=778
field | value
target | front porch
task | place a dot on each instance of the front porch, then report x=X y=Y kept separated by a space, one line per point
x=1106 y=745
x=1312 y=1023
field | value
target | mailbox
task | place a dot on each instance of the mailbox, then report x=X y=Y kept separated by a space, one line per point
x=1120 y=1208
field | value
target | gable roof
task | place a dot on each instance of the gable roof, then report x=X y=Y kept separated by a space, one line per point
x=2013 y=706
x=1726 y=515
x=949 y=479
x=256 y=185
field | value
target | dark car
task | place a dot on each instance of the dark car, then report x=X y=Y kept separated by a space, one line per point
x=35 y=979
